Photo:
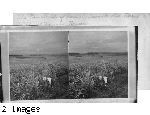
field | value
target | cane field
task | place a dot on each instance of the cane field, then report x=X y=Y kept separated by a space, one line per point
x=73 y=76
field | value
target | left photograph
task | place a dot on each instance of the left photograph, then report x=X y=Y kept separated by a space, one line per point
x=38 y=65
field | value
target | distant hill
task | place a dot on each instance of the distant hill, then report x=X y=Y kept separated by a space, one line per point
x=35 y=55
x=71 y=54
x=74 y=54
x=99 y=53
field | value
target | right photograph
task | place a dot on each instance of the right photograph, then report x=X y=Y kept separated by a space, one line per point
x=98 y=64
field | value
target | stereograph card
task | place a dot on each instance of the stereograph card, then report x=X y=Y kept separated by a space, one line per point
x=69 y=64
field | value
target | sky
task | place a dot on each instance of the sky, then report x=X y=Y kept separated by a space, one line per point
x=38 y=42
x=97 y=41
x=56 y=42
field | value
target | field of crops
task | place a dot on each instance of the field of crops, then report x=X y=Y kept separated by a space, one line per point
x=85 y=72
x=78 y=78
